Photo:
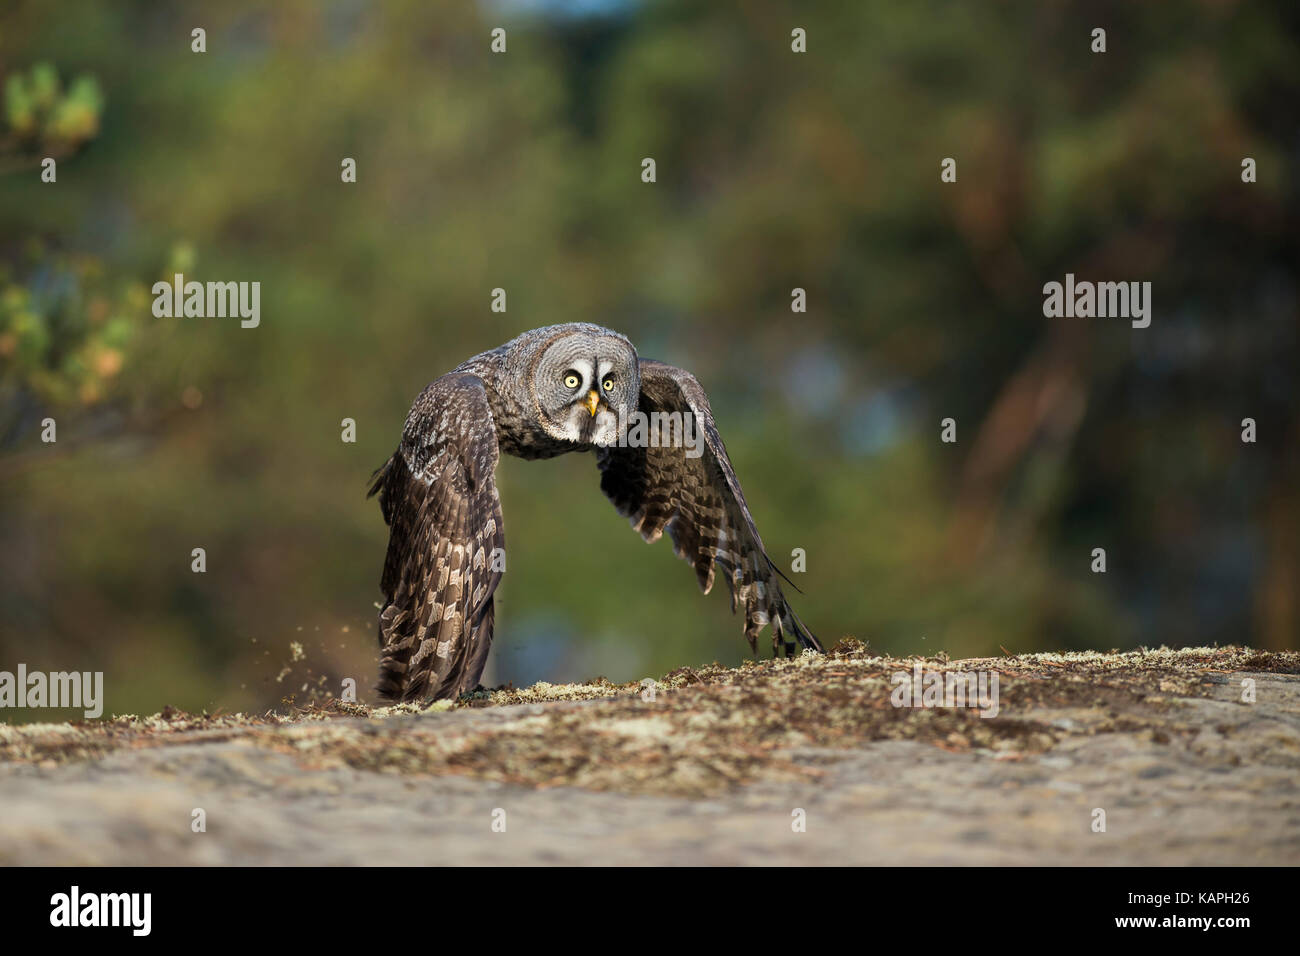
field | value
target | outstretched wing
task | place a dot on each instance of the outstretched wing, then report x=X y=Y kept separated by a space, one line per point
x=699 y=501
x=439 y=498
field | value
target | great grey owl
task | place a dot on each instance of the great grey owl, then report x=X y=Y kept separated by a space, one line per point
x=564 y=388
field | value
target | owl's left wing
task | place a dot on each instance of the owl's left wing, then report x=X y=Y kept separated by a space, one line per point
x=657 y=486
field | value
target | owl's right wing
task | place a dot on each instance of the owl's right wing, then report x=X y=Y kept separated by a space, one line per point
x=699 y=502
x=439 y=498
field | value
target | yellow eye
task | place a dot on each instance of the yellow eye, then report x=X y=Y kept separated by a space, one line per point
x=572 y=381
x=609 y=385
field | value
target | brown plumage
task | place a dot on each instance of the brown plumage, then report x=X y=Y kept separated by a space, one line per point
x=550 y=391
x=700 y=503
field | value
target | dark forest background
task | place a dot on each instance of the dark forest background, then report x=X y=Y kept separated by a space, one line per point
x=775 y=170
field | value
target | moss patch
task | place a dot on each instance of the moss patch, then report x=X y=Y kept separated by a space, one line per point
x=701 y=730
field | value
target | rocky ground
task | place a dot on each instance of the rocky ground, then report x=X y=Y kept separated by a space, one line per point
x=780 y=762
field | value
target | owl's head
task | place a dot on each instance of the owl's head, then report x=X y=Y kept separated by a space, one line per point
x=585 y=382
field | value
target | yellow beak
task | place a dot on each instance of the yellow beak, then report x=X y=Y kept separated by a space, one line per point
x=591 y=401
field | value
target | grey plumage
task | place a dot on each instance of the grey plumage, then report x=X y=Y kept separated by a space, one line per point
x=550 y=391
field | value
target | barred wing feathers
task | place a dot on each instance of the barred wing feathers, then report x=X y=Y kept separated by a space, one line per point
x=700 y=503
x=439 y=498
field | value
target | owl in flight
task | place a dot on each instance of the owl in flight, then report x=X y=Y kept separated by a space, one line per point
x=564 y=388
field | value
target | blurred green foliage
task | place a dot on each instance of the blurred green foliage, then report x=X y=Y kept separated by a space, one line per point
x=65 y=328
x=775 y=171
x=62 y=337
x=40 y=115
